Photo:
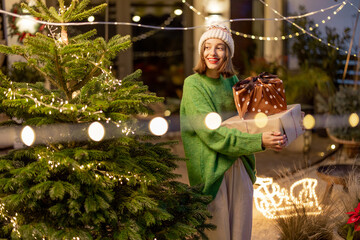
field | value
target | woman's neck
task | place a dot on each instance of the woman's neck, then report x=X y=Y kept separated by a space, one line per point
x=212 y=73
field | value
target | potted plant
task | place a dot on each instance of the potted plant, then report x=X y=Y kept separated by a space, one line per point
x=342 y=122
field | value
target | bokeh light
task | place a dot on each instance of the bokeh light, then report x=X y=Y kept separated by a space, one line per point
x=213 y=120
x=178 y=12
x=96 y=131
x=309 y=121
x=28 y=135
x=136 y=18
x=261 y=120
x=167 y=113
x=27 y=24
x=158 y=126
x=354 y=120
x=91 y=18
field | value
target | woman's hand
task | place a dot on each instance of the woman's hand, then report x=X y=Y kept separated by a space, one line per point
x=274 y=140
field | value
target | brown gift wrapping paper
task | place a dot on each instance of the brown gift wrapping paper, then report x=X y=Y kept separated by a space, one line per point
x=264 y=93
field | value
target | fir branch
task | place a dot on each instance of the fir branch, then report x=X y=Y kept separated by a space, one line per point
x=81 y=6
x=83 y=37
x=101 y=202
x=7 y=50
x=73 y=48
x=90 y=204
x=5 y=165
x=41 y=189
x=20 y=65
x=44 y=13
x=55 y=17
x=88 y=77
x=33 y=12
x=137 y=203
x=85 y=14
x=117 y=44
x=61 y=81
x=70 y=9
x=32 y=63
x=62 y=4
x=132 y=76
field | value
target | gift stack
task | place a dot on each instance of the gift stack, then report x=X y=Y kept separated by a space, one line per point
x=261 y=105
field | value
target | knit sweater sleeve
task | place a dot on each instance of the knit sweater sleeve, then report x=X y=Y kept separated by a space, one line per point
x=196 y=105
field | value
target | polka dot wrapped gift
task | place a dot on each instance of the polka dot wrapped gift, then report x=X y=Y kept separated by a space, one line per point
x=264 y=93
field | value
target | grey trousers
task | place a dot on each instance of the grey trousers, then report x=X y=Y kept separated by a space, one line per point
x=232 y=207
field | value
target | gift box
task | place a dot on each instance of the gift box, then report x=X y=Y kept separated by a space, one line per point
x=287 y=122
x=264 y=93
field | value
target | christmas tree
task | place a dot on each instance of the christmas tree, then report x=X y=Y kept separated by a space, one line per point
x=67 y=186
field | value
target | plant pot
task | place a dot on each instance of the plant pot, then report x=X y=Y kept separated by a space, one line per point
x=351 y=147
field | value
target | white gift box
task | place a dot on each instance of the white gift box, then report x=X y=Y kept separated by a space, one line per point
x=287 y=122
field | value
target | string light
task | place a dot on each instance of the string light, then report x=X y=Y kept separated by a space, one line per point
x=170 y=28
x=305 y=31
x=284 y=37
x=289 y=36
x=13 y=219
x=276 y=202
x=250 y=36
x=62 y=106
x=357 y=9
x=192 y=8
x=152 y=32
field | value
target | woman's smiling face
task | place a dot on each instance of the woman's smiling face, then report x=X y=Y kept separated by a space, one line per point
x=214 y=53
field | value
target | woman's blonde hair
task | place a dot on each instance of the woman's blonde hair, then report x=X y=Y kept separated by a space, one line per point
x=226 y=68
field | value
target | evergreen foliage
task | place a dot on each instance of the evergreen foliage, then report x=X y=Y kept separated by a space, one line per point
x=120 y=188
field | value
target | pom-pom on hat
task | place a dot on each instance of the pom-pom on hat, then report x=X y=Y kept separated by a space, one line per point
x=220 y=32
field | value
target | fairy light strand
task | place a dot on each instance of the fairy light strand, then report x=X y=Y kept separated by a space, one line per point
x=284 y=37
x=152 y=32
x=59 y=105
x=357 y=9
x=161 y=27
x=197 y=12
x=13 y=219
x=289 y=36
x=302 y=31
x=276 y=202
x=305 y=31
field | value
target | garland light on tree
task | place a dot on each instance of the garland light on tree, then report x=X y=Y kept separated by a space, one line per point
x=122 y=187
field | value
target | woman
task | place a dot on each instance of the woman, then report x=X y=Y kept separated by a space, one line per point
x=221 y=159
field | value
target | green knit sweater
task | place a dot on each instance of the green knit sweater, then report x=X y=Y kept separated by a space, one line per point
x=211 y=152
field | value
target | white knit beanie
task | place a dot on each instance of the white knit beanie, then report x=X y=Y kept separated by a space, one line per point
x=220 y=32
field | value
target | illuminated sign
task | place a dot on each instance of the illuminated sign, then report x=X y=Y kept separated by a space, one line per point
x=275 y=202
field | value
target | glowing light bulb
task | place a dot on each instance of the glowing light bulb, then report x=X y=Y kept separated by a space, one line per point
x=96 y=131
x=213 y=120
x=309 y=121
x=28 y=136
x=354 y=120
x=158 y=126
x=261 y=120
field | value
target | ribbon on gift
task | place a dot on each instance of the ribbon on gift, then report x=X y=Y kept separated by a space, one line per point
x=264 y=93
